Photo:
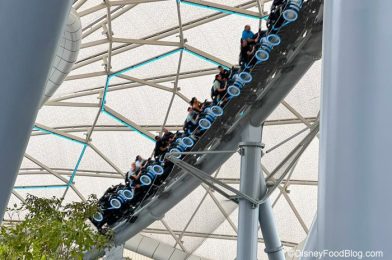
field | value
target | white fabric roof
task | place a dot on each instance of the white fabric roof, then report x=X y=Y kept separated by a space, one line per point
x=74 y=107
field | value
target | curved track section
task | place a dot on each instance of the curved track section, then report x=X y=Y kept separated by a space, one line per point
x=272 y=81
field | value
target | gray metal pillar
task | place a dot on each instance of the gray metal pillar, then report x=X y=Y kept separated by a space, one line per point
x=30 y=31
x=273 y=245
x=354 y=211
x=250 y=148
x=253 y=184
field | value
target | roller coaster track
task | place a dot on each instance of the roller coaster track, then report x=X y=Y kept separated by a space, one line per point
x=272 y=81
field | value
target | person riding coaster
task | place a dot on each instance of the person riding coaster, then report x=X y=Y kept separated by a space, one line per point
x=146 y=176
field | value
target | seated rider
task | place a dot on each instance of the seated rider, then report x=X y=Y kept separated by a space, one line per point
x=196 y=105
x=161 y=147
x=224 y=73
x=275 y=19
x=190 y=123
x=130 y=173
x=247 y=52
x=168 y=136
x=139 y=161
x=132 y=176
x=218 y=90
x=249 y=36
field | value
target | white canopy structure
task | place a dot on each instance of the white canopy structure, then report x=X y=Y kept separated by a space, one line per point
x=76 y=149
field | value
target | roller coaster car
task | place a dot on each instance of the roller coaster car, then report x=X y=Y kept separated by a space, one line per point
x=167 y=168
x=181 y=145
x=282 y=13
x=120 y=202
x=110 y=204
x=150 y=172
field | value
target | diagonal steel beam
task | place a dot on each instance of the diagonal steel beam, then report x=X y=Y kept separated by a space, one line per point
x=221 y=209
x=121 y=86
x=174 y=91
x=146 y=42
x=156 y=36
x=211 y=181
x=118 y=170
x=296 y=113
x=79 y=4
x=93 y=43
x=178 y=241
x=114 y=3
x=147 y=83
x=46 y=168
x=208 y=235
x=92 y=10
x=128 y=2
x=224 y=8
x=93 y=28
x=130 y=123
x=290 y=202
x=207 y=56
x=109 y=34
x=60 y=133
x=71 y=104
x=18 y=196
x=86 y=75
x=56 y=174
x=196 y=209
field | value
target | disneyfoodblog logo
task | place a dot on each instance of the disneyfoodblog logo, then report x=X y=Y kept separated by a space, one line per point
x=346 y=253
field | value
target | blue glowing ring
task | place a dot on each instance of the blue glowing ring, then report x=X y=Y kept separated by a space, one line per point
x=210 y=117
x=161 y=158
x=187 y=142
x=115 y=203
x=262 y=55
x=217 y=111
x=294 y=7
x=98 y=217
x=207 y=110
x=180 y=146
x=128 y=194
x=145 y=180
x=290 y=15
x=130 y=184
x=245 y=77
x=204 y=124
x=238 y=83
x=157 y=169
x=234 y=91
x=297 y=4
x=273 y=39
x=175 y=150
x=266 y=45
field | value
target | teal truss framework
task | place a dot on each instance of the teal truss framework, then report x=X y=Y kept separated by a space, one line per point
x=71 y=179
x=222 y=9
x=110 y=114
x=138 y=65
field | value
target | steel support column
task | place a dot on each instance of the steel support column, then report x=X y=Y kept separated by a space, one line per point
x=31 y=30
x=354 y=211
x=250 y=184
x=273 y=245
